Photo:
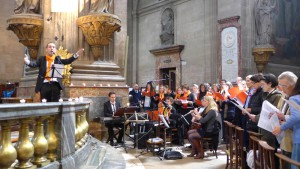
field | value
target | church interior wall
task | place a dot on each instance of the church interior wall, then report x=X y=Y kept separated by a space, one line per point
x=193 y=26
x=12 y=52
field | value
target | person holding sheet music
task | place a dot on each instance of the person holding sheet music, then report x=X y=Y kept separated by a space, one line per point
x=254 y=101
x=287 y=82
x=252 y=105
x=48 y=86
x=271 y=94
x=293 y=123
x=110 y=108
x=207 y=120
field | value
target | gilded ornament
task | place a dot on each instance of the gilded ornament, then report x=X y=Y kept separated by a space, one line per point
x=64 y=54
x=98 y=29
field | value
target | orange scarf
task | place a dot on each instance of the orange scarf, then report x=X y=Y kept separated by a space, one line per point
x=177 y=96
x=49 y=63
x=161 y=96
x=186 y=95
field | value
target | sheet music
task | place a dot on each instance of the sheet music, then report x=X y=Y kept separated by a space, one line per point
x=147 y=101
x=184 y=101
x=240 y=107
x=274 y=121
x=57 y=71
x=269 y=123
x=164 y=121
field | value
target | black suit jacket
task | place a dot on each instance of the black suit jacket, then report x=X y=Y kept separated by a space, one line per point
x=42 y=64
x=108 y=110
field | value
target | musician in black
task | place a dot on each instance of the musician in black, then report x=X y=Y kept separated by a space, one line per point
x=110 y=108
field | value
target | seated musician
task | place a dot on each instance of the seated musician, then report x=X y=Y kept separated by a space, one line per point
x=110 y=108
x=170 y=112
x=148 y=97
x=207 y=120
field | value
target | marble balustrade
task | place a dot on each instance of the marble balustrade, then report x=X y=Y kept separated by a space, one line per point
x=45 y=135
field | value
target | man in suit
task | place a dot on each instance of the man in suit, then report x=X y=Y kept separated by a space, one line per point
x=136 y=96
x=110 y=108
x=48 y=86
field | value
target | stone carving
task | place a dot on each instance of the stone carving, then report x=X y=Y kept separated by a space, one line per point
x=167 y=23
x=263 y=24
x=100 y=6
x=27 y=6
x=261 y=57
x=98 y=29
x=28 y=29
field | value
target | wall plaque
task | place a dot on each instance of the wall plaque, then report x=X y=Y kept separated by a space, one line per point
x=229 y=58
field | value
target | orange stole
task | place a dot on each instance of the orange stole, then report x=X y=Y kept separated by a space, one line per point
x=49 y=60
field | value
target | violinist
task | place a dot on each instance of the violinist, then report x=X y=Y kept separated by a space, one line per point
x=170 y=112
x=148 y=97
x=207 y=120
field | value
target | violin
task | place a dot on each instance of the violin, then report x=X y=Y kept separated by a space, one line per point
x=148 y=93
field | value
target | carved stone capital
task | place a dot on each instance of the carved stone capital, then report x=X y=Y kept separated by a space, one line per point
x=28 y=28
x=261 y=57
x=98 y=29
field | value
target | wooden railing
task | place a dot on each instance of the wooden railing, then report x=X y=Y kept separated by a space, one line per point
x=59 y=129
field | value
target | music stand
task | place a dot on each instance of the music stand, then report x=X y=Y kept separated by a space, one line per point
x=137 y=118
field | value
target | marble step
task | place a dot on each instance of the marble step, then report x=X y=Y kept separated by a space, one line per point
x=103 y=156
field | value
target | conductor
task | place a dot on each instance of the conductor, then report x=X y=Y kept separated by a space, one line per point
x=48 y=86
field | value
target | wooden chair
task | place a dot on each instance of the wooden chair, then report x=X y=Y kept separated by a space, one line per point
x=230 y=144
x=211 y=143
x=258 y=158
x=240 y=149
x=268 y=155
x=286 y=160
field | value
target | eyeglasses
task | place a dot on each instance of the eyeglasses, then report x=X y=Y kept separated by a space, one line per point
x=283 y=86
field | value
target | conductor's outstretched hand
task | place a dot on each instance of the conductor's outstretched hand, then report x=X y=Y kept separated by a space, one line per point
x=80 y=51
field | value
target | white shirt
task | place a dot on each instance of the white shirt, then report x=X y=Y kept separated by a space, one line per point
x=113 y=107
